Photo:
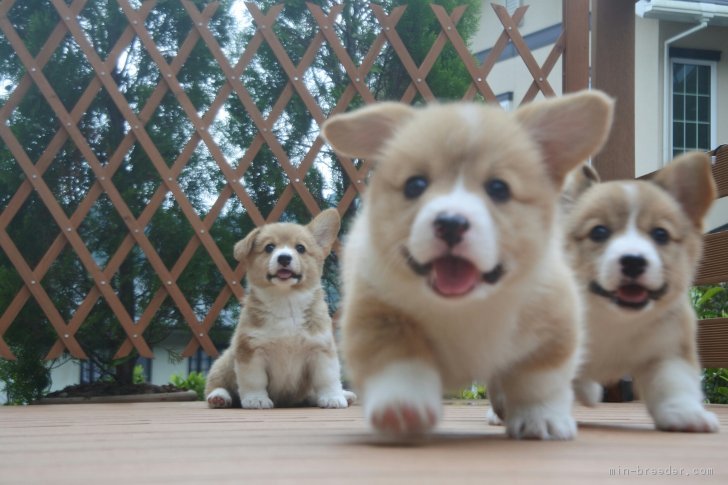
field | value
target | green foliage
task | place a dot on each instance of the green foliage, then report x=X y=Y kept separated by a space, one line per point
x=476 y=391
x=715 y=385
x=25 y=379
x=195 y=381
x=138 y=377
x=712 y=302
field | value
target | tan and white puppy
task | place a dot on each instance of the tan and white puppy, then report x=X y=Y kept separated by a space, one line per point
x=282 y=352
x=454 y=270
x=635 y=248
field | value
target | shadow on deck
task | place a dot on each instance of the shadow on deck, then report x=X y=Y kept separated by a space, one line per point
x=188 y=443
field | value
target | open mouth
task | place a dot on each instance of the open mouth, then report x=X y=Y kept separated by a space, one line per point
x=629 y=295
x=452 y=276
x=284 y=274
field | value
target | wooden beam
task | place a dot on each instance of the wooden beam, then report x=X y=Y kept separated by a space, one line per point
x=575 y=63
x=613 y=38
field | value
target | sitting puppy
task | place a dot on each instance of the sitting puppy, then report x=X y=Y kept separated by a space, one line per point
x=282 y=352
x=635 y=247
x=454 y=270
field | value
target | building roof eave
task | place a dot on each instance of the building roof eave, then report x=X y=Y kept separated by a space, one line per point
x=714 y=13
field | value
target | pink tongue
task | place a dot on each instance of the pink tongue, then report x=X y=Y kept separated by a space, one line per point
x=454 y=276
x=632 y=293
x=284 y=274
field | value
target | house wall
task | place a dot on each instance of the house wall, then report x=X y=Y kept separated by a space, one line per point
x=164 y=365
x=650 y=35
x=511 y=75
x=648 y=96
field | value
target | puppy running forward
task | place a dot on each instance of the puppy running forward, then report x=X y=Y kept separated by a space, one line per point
x=636 y=246
x=282 y=352
x=454 y=270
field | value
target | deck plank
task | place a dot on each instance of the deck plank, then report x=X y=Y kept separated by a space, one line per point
x=188 y=443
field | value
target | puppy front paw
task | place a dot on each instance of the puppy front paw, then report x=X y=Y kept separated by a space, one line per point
x=684 y=416
x=219 y=398
x=333 y=401
x=588 y=392
x=404 y=418
x=404 y=399
x=541 y=424
x=492 y=417
x=256 y=401
x=350 y=397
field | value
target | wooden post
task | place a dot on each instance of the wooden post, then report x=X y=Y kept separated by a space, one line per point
x=613 y=37
x=576 y=45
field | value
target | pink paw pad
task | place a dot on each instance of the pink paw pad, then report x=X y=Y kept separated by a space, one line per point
x=216 y=402
x=404 y=419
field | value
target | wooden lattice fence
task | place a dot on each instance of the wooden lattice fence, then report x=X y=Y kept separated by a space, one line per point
x=571 y=47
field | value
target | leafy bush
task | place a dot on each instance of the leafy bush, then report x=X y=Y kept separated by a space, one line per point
x=712 y=302
x=195 y=381
x=138 y=375
x=476 y=391
x=715 y=385
x=26 y=378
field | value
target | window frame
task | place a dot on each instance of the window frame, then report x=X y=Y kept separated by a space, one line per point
x=713 y=65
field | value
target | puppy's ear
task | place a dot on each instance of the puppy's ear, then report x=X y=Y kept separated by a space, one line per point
x=690 y=180
x=577 y=182
x=568 y=129
x=325 y=228
x=243 y=247
x=362 y=133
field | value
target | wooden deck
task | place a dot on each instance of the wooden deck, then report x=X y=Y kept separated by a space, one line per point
x=188 y=443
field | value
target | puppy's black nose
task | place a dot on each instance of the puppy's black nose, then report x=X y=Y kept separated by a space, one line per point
x=450 y=228
x=633 y=265
x=284 y=259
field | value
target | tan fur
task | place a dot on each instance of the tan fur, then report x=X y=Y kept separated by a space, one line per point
x=526 y=325
x=282 y=352
x=655 y=343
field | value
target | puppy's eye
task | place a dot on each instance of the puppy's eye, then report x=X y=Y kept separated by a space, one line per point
x=415 y=186
x=269 y=248
x=660 y=235
x=498 y=190
x=300 y=248
x=599 y=233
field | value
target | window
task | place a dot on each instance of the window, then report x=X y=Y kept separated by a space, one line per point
x=199 y=362
x=91 y=372
x=506 y=100
x=693 y=106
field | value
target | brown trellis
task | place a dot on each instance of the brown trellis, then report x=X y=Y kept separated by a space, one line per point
x=575 y=10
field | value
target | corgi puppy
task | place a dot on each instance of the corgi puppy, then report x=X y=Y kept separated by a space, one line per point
x=635 y=247
x=454 y=269
x=282 y=353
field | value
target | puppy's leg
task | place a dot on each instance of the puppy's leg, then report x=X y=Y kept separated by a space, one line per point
x=671 y=390
x=390 y=360
x=588 y=392
x=252 y=380
x=497 y=409
x=404 y=398
x=327 y=380
x=539 y=404
x=220 y=380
